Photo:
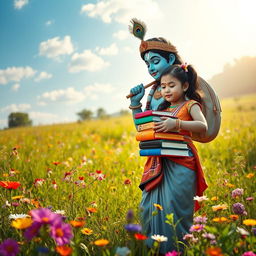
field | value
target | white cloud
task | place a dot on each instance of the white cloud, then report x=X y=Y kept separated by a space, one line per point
x=122 y=11
x=111 y=50
x=15 y=74
x=94 y=90
x=19 y=4
x=55 y=47
x=121 y=34
x=42 y=116
x=49 y=23
x=15 y=87
x=42 y=76
x=88 y=61
x=15 y=108
x=69 y=95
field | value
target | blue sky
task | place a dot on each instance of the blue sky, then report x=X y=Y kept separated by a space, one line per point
x=58 y=57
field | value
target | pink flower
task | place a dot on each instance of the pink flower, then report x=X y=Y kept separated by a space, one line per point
x=249 y=253
x=45 y=216
x=250 y=198
x=9 y=247
x=61 y=233
x=196 y=228
x=173 y=253
x=200 y=219
x=237 y=192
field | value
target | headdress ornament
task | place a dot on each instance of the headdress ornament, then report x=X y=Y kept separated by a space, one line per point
x=184 y=66
x=138 y=29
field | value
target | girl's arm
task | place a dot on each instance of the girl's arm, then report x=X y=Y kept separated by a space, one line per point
x=198 y=124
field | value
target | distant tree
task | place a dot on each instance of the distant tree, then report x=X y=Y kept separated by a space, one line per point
x=16 y=119
x=85 y=114
x=101 y=113
x=124 y=112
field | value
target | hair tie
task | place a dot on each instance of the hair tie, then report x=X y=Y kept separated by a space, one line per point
x=184 y=67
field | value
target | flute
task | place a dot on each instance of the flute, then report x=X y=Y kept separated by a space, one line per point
x=145 y=86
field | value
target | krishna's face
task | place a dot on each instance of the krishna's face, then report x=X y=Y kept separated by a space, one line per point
x=157 y=64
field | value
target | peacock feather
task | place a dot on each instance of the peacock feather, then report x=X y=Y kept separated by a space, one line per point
x=138 y=28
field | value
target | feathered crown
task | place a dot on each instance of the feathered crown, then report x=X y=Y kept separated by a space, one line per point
x=139 y=29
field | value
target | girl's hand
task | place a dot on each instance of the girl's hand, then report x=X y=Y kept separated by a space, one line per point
x=167 y=125
x=138 y=92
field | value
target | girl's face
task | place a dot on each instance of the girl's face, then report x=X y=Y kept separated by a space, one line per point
x=156 y=64
x=172 y=89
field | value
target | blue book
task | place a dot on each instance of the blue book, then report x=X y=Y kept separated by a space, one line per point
x=165 y=152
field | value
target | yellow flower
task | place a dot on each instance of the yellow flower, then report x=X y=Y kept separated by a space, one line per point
x=22 y=223
x=220 y=219
x=250 y=175
x=214 y=198
x=249 y=222
x=219 y=207
x=101 y=242
x=17 y=197
x=87 y=231
x=229 y=185
x=158 y=206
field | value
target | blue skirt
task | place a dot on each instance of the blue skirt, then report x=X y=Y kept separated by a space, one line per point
x=175 y=194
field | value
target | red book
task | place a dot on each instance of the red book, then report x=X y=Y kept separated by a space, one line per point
x=153 y=113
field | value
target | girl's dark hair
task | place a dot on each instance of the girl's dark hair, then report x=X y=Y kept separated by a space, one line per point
x=190 y=76
x=164 y=54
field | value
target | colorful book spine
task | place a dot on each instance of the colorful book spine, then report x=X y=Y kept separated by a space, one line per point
x=152 y=135
x=164 y=152
x=146 y=126
x=154 y=113
x=147 y=119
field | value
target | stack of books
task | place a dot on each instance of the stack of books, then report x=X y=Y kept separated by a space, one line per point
x=158 y=143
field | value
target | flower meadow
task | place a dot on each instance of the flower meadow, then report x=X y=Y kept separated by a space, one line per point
x=72 y=189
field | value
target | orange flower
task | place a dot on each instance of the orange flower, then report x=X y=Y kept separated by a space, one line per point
x=214 y=198
x=229 y=185
x=249 y=222
x=219 y=207
x=64 y=250
x=220 y=219
x=87 y=231
x=9 y=184
x=77 y=224
x=101 y=242
x=35 y=202
x=139 y=236
x=158 y=206
x=250 y=175
x=234 y=217
x=214 y=251
x=91 y=209
x=56 y=163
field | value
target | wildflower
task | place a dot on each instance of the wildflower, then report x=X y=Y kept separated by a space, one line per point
x=64 y=250
x=250 y=175
x=22 y=223
x=250 y=198
x=91 y=209
x=133 y=228
x=214 y=251
x=242 y=231
x=61 y=233
x=18 y=216
x=101 y=242
x=196 y=228
x=45 y=216
x=219 y=207
x=42 y=250
x=127 y=182
x=200 y=219
x=60 y=212
x=220 y=219
x=254 y=231
x=86 y=231
x=214 y=198
x=122 y=251
x=239 y=209
x=229 y=185
x=130 y=215
x=139 y=236
x=76 y=223
x=38 y=182
x=9 y=247
x=237 y=192
x=233 y=217
x=9 y=184
x=54 y=184
x=159 y=238
x=249 y=253
x=173 y=253
x=158 y=206
x=200 y=198
x=56 y=163
x=249 y=222
x=32 y=231
x=190 y=237
x=17 y=197
x=209 y=236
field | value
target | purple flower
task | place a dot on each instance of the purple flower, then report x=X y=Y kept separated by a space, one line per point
x=249 y=253
x=32 y=231
x=200 y=219
x=196 y=228
x=237 y=192
x=45 y=216
x=9 y=247
x=254 y=231
x=173 y=253
x=239 y=209
x=61 y=233
x=133 y=228
x=130 y=216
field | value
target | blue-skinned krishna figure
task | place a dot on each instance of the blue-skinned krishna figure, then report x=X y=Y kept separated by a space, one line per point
x=178 y=180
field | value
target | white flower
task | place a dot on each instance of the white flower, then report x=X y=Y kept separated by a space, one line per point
x=200 y=198
x=18 y=216
x=159 y=238
x=61 y=212
x=242 y=231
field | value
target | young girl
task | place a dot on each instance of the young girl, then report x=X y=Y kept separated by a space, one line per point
x=182 y=177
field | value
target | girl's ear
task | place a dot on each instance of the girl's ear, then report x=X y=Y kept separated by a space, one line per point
x=185 y=86
x=171 y=58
